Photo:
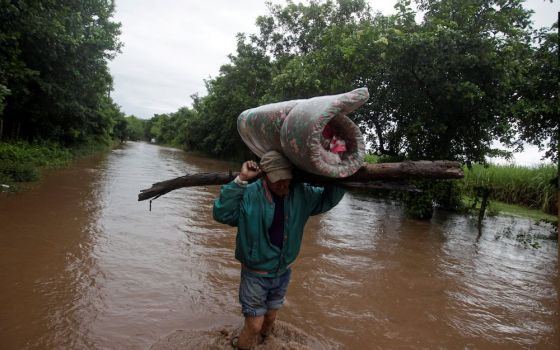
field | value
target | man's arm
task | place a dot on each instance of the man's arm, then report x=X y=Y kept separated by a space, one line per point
x=227 y=205
x=323 y=199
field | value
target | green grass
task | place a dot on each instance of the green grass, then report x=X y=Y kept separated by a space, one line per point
x=531 y=187
x=37 y=154
x=21 y=161
x=497 y=207
x=91 y=147
x=516 y=210
x=516 y=190
x=372 y=158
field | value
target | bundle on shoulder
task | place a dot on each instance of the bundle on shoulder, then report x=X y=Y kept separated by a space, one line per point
x=315 y=134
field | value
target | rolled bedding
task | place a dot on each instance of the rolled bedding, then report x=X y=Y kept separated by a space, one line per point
x=315 y=134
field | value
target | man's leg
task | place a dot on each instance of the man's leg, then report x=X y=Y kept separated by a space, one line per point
x=275 y=300
x=253 y=291
x=250 y=331
x=268 y=323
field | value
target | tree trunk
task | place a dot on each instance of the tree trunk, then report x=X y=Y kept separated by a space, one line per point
x=391 y=175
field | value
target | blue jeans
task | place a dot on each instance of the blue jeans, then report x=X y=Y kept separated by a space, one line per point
x=259 y=294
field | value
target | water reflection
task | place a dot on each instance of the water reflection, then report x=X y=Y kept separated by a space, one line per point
x=506 y=292
x=48 y=271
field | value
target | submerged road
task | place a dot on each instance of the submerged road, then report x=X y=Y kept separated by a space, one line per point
x=83 y=265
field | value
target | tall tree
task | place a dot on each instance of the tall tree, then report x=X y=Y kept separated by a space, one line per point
x=439 y=89
x=535 y=111
x=453 y=77
x=442 y=88
x=53 y=60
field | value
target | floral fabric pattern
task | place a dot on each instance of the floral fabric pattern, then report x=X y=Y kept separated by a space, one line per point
x=295 y=128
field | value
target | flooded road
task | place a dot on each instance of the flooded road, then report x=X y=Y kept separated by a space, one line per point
x=83 y=265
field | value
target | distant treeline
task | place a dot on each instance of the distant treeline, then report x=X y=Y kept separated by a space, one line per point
x=54 y=79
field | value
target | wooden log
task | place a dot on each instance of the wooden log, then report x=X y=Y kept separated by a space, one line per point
x=409 y=170
x=391 y=173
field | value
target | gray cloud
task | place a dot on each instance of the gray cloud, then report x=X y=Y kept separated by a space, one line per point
x=171 y=47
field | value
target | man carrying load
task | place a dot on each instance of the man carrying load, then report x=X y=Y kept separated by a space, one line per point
x=270 y=215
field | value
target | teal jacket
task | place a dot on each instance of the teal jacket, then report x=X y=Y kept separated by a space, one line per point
x=251 y=209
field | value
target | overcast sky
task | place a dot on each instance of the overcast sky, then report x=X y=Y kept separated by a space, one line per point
x=171 y=46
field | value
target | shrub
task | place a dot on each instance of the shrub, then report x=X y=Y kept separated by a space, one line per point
x=18 y=172
x=20 y=161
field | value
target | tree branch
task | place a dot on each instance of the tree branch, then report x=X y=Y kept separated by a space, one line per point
x=388 y=172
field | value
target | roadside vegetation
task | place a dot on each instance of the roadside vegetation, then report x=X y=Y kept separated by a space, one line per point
x=497 y=207
x=21 y=161
x=512 y=190
x=530 y=187
x=55 y=84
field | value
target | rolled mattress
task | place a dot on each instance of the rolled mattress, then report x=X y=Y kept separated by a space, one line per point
x=298 y=129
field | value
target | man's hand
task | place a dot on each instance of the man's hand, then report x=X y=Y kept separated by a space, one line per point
x=249 y=170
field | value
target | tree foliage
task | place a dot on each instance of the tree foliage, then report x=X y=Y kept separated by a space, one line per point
x=135 y=129
x=471 y=72
x=443 y=88
x=54 y=79
x=535 y=111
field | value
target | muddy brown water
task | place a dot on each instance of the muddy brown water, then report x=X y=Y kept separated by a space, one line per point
x=83 y=265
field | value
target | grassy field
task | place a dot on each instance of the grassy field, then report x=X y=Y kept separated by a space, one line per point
x=497 y=207
x=515 y=190
x=530 y=187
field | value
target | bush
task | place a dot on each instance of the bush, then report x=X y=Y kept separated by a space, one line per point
x=372 y=158
x=420 y=205
x=38 y=154
x=18 y=172
x=20 y=161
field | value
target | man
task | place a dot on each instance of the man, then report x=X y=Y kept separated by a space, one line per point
x=270 y=214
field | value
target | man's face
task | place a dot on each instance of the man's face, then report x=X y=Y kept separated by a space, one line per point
x=280 y=187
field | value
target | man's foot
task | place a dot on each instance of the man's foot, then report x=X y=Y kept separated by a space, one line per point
x=235 y=343
x=264 y=336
